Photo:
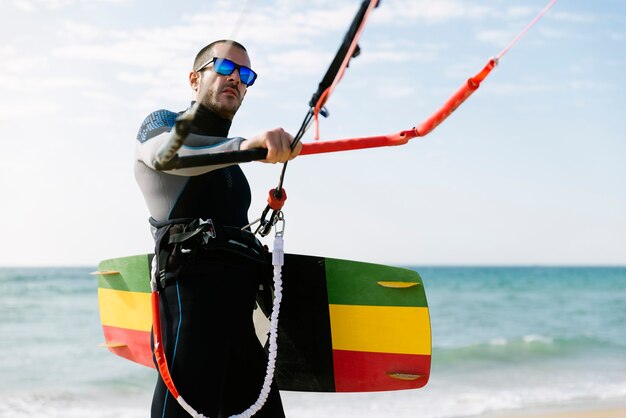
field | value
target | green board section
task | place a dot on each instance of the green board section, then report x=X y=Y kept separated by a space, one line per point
x=356 y=283
x=350 y=282
x=134 y=269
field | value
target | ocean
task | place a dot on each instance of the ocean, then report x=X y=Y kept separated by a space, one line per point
x=504 y=339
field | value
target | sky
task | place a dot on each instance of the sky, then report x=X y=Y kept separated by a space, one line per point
x=530 y=170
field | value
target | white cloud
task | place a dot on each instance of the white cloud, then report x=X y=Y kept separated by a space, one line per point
x=139 y=78
x=498 y=37
x=616 y=36
x=82 y=31
x=24 y=5
x=146 y=47
x=102 y=96
x=133 y=50
x=282 y=33
x=501 y=35
x=461 y=71
x=574 y=81
x=402 y=51
x=519 y=12
x=393 y=91
x=33 y=5
x=570 y=17
x=23 y=84
x=301 y=62
x=283 y=24
x=521 y=87
x=594 y=86
x=554 y=33
x=9 y=82
x=6 y=51
x=17 y=111
x=430 y=12
x=15 y=63
x=299 y=33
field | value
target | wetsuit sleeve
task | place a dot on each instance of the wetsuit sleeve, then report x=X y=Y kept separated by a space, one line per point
x=155 y=132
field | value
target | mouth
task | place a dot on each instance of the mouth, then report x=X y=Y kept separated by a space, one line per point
x=231 y=91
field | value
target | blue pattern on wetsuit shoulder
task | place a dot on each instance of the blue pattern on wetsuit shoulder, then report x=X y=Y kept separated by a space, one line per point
x=156 y=123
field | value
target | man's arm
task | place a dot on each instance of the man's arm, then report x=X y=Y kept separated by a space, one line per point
x=155 y=132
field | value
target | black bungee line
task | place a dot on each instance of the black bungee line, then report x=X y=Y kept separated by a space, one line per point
x=278 y=194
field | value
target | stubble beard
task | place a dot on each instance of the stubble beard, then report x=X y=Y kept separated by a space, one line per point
x=225 y=111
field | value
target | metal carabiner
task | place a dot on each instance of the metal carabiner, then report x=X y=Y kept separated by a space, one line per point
x=280 y=219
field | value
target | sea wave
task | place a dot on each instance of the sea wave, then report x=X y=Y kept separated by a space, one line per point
x=530 y=347
x=57 y=403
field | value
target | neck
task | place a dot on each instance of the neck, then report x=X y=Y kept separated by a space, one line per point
x=207 y=122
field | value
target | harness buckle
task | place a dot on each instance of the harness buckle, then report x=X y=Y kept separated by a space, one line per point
x=209 y=231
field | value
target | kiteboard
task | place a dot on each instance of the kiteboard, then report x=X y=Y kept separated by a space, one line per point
x=344 y=326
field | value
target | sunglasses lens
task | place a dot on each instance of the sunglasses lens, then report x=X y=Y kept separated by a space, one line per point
x=247 y=76
x=224 y=66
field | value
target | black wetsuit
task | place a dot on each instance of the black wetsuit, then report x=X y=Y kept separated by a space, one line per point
x=215 y=359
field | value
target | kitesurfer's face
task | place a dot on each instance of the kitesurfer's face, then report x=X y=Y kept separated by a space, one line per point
x=221 y=93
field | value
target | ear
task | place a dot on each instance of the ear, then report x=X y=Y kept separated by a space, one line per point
x=194 y=80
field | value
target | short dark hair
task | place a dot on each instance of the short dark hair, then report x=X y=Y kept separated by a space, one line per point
x=205 y=53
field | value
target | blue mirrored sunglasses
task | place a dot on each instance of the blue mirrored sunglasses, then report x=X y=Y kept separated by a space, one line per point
x=224 y=66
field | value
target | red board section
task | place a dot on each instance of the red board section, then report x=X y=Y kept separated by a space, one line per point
x=357 y=371
x=136 y=344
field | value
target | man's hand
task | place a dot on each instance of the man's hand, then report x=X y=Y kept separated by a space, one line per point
x=278 y=144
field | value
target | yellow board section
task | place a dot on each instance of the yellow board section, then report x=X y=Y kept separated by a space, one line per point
x=130 y=310
x=380 y=329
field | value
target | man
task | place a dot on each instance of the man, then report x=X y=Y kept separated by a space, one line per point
x=209 y=270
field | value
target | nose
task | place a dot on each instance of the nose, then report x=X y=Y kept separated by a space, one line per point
x=233 y=77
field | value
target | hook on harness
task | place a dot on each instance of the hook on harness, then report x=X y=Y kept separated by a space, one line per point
x=275 y=202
